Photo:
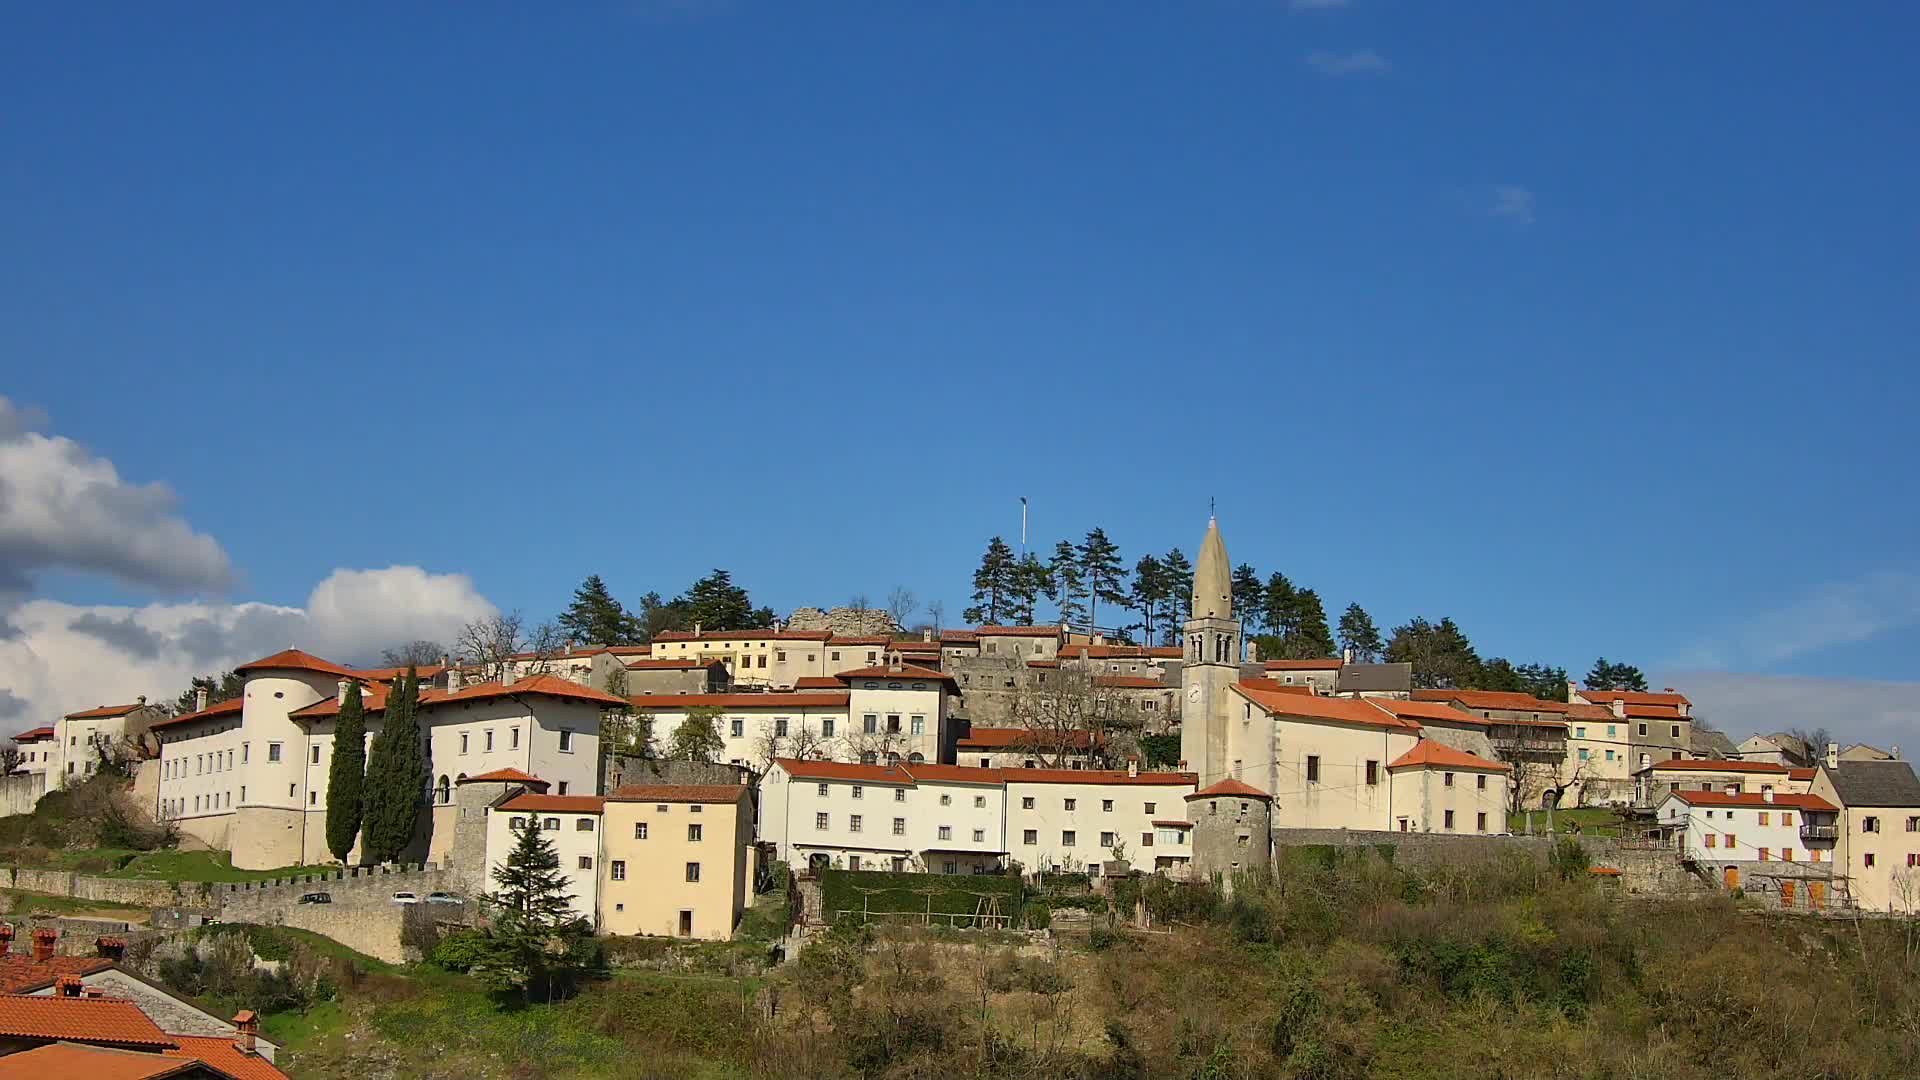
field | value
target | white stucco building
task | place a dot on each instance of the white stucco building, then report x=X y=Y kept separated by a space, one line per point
x=572 y=823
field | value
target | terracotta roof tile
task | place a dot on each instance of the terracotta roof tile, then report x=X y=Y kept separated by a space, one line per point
x=229 y=707
x=110 y=1021
x=103 y=712
x=956 y=774
x=295 y=660
x=1096 y=776
x=843 y=770
x=1654 y=712
x=1634 y=697
x=1273 y=687
x=68 y=1060
x=388 y=674
x=1016 y=631
x=993 y=738
x=20 y=973
x=1577 y=711
x=1427 y=710
x=1756 y=799
x=1493 y=699
x=680 y=793
x=1121 y=652
x=220 y=1053
x=374 y=697
x=740 y=701
x=744 y=635
x=505 y=776
x=818 y=682
x=875 y=640
x=562 y=804
x=1127 y=682
x=1332 y=663
x=1716 y=765
x=1340 y=710
x=34 y=735
x=1229 y=786
x=1801 y=774
x=1428 y=754
x=905 y=671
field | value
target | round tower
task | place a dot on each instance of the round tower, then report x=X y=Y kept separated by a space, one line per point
x=1232 y=830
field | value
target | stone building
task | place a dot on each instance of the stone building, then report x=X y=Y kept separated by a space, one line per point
x=1232 y=830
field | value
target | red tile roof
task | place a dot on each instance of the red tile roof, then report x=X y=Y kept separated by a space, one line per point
x=104 y=712
x=1756 y=799
x=680 y=793
x=505 y=776
x=229 y=707
x=842 y=770
x=1340 y=710
x=1724 y=766
x=1229 y=786
x=1332 y=663
x=955 y=774
x=862 y=640
x=1096 y=776
x=20 y=973
x=1271 y=686
x=1121 y=652
x=374 y=697
x=35 y=734
x=219 y=1052
x=1801 y=774
x=1016 y=631
x=1428 y=754
x=1654 y=712
x=65 y=1059
x=1634 y=697
x=1127 y=682
x=1043 y=663
x=1577 y=711
x=739 y=701
x=992 y=738
x=768 y=634
x=818 y=682
x=904 y=671
x=1426 y=710
x=680 y=663
x=295 y=660
x=561 y=804
x=109 y=1021
x=1492 y=699
x=903 y=646
x=959 y=637
x=388 y=674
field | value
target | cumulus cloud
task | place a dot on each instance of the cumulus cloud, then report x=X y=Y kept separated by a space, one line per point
x=66 y=657
x=1357 y=62
x=1512 y=203
x=62 y=508
x=1855 y=710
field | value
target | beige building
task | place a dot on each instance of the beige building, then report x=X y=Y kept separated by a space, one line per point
x=1323 y=675
x=79 y=738
x=1652 y=783
x=1439 y=789
x=1323 y=759
x=1878 y=840
x=682 y=675
x=755 y=728
x=1600 y=751
x=571 y=823
x=775 y=659
x=678 y=860
x=1021 y=748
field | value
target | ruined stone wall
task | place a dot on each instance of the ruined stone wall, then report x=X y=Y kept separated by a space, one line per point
x=1415 y=850
x=844 y=621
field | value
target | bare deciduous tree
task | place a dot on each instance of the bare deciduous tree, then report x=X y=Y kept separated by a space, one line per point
x=1066 y=713
x=901 y=604
x=801 y=741
x=10 y=758
x=420 y=652
x=492 y=642
x=936 y=614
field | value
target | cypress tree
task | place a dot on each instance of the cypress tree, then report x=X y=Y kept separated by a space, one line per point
x=346 y=777
x=396 y=776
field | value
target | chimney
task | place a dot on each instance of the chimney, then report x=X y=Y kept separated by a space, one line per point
x=1133 y=766
x=340 y=692
x=1573 y=691
x=696 y=629
x=453 y=680
x=1667 y=690
x=43 y=939
x=1099 y=638
x=1253 y=651
x=200 y=700
x=1766 y=793
x=1833 y=755
x=927 y=634
x=1894 y=752
x=245 y=1027
x=1619 y=709
x=1346 y=656
x=111 y=948
x=569 y=651
x=6 y=939
x=68 y=986
x=893 y=660
x=141 y=701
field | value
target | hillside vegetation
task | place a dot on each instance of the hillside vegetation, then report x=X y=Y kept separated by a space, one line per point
x=1343 y=966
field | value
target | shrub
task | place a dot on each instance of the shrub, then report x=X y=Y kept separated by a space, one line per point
x=460 y=951
x=1569 y=859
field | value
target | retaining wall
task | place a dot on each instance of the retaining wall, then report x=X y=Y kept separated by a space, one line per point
x=1414 y=850
x=111 y=890
x=362 y=915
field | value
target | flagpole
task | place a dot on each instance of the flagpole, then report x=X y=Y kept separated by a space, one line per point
x=1023 y=528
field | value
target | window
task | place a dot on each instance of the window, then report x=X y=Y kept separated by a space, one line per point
x=1786 y=819
x=313 y=798
x=1066 y=838
x=899 y=794
x=1030 y=836
x=853 y=824
x=1643 y=731
x=489 y=740
x=1813 y=854
x=1373 y=773
x=563 y=787
x=1026 y=802
x=1869 y=824
x=979 y=836
x=736 y=727
x=1869 y=860
x=1766 y=855
x=1732 y=841
x=1150 y=807
x=1313 y=768
x=1913 y=824
x=551 y=824
x=1480 y=783
x=1447 y=779
x=1676 y=731
x=639 y=830
x=566 y=742
x=780 y=727
x=1106 y=839
x=584 y=824
x=1449 y=819
x=1071 y=803
x=463 y=742
x=586 y=862
x=1583 y=753
x=693 y=874
x=823 y=790
x=617 y=871
x=1480 y=822
x=899 y=826
x=946 y=832
x=780 y=656
x=893 y=724
x=859 y=791
x=979 y=802
x=870 y=724
x=826 y=728
x=513 y=738
x=946 y=799
x=1580 y=733
x=1609 y=755
x=820 y=821
x=1106 y=806
x=1711 y=838
x=314 y=755
x=273 y=751
x=1786 y=854
x=1763 y=820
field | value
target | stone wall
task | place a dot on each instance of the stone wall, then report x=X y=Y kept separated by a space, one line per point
x=20 y=791
x=111 y=890
x=844 y=621
x=1414 y=850
x=362 y=915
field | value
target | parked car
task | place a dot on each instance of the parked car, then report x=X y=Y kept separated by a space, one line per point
x=443 y=898
x=405 y=898
x=317 y=898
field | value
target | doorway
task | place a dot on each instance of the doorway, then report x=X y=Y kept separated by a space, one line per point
x=1816 y=894
x=686 y=924
x=1787 y=894
x=1732 y=877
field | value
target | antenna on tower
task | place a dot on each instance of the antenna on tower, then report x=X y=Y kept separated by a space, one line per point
x=1023 y=528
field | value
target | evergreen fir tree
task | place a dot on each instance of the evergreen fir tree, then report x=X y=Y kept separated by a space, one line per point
x=1440 y=653
x=1606 y=676
x=596 y=618
x=1102 y=573
x=536 y=941
x=716 y=603
x=1065 y=584
x=993 y=585
x=1357 y=632
x=1029 y=583
x=396 y=777
x=346 y=775
x=1180 y=591
x=1311 y=639
x=1278 y=608
x=1248 y=597
x=1150 y=592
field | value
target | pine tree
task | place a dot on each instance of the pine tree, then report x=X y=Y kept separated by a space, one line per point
x=993 y=583
x=224 y=687
x=1358 y=633
x=396 y=777
x=1065 y=584
x=1102 y=572
x=1440 y=653
x=1180 y=588
x=596 y=618
x=1150 y=591
x=1605 y=676
x=1279 y=607
x=346 y=775
x=716 y=603
x=1311 y=639
x=1029 y=583
x=536 y=940
x=1248 y=594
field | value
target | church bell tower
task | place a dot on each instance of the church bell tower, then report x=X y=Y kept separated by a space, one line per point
x=1211 y=665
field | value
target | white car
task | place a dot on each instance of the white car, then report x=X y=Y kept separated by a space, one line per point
x=405 y=898
x=443 y=898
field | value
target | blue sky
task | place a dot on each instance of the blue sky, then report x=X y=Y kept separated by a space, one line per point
x=1590 y=326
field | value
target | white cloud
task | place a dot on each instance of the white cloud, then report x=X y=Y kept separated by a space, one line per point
x=62 y=508
x=1357 y=62
x=1855 y=710
x=66 y=656
x=1316 y=5
x=1512 y=202
x=1836 y=613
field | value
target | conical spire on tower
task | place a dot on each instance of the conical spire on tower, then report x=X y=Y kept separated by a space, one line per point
x=1212 y=577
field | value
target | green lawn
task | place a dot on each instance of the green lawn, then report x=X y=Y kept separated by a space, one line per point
x=200 y=866
x=1593 y=821
x=29 y=903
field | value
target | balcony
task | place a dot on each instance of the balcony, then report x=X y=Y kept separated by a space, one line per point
x=1819 y=832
